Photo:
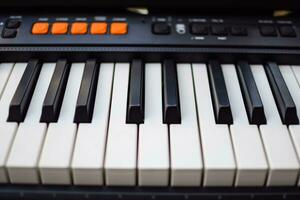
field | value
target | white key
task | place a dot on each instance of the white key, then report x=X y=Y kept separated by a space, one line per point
x=282 y=159
x=88 y=158
x=23 y=158
x=249 y=152
x=218 y=155
x=5 y=70
x=153 y=152
x=8 y=129
x=186 y=156
x=121 y=150
x=57 y=152
x=293 y=86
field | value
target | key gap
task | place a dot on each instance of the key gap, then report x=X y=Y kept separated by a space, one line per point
x=137 y=156
x=40 y=153
x=198 y=125
x=294 y=148
x=234 y=156
x=266 y=156
x=107 y=126
x=72 y=154
x=169 y=148
x=9 y=151
x=294 y=74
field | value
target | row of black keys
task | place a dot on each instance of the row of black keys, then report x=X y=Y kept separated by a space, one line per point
x=221 y=104
x=135 y=105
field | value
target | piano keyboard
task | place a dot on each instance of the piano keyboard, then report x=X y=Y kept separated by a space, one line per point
x=149 y=124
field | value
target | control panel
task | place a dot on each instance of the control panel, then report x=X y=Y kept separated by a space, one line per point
x=149 y=30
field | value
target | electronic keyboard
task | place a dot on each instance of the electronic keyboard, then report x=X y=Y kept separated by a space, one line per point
x=128 y=106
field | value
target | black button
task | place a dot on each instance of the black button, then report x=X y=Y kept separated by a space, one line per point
x=161 y=28
x=268 y=30
x=199 y=29
x=219 y=30
x=13 y=23
x=9 y=33
x=287 y=31
x=238 y=31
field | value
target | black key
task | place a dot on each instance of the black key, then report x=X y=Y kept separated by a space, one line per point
x=171 y=105
x=220 y=98
x=282 y=96
x=19 y=104
x=136 y=94
x=87 y=93
x=53 y=100
x=252 y=100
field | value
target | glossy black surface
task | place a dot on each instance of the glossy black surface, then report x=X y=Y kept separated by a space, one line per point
x=16 y=192
x=282 y=96
x=55 y=93
x=252 y=100
x=219 y=94
x=87 y=93
x=19 y=104
x=171 y=104
x=136 y=93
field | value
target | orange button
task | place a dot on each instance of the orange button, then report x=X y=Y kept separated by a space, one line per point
x=118 y=28
x=98 y=28
x=40 y=28
x=79 y=28
x=59 y=28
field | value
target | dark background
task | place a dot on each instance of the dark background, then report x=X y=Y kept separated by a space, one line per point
x=200 y=5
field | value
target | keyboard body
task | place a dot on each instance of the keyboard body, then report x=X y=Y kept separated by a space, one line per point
x=222 y=39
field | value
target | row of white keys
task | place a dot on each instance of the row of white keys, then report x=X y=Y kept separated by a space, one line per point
x=88 y=157
x=58 y=148
x=121 y=148
x=218 y=155
x=153 y=146
x=290 y=75
x=185 y=148
x=8 y=129
x=249 y=152
x=281 y=155
x=23 y=159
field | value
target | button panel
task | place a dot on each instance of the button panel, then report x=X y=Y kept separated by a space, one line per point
x=149 y=30
x=79 y=28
